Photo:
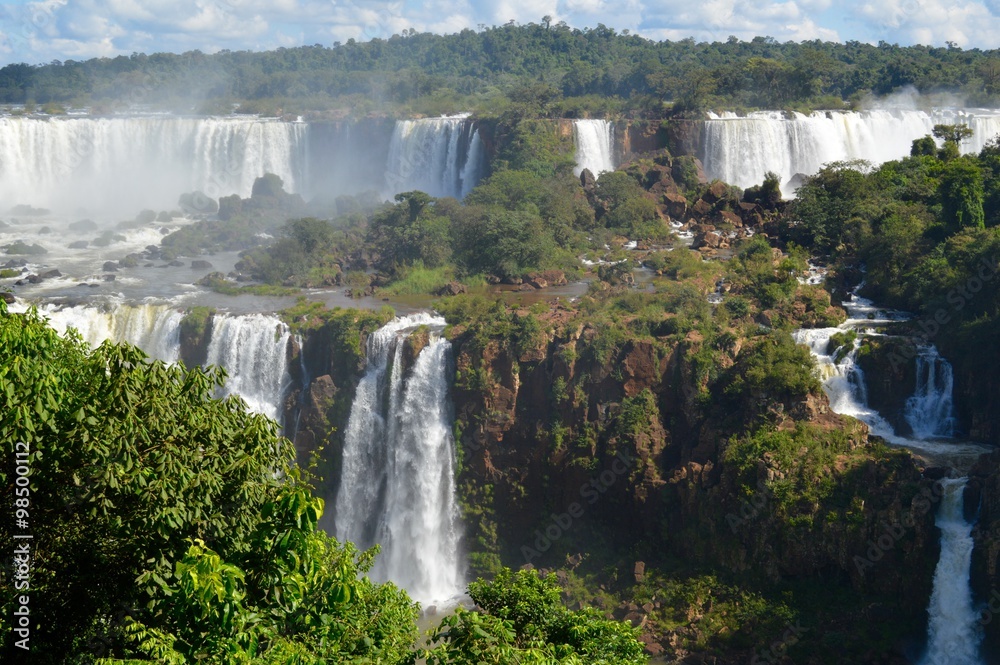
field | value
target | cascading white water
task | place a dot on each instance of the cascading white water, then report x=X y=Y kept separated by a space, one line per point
x=397 y=485
x=953 y=630
x=439 y=156
x=741 y=150
x=253 y=349
x=595 y=146
x=929 y=411
x=844 y=385
x=153 y=328
x=122 y=165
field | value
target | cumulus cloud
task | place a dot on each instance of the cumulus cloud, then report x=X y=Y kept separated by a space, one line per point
x=60 y=29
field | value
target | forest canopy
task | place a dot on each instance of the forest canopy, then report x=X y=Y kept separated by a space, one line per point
x=540 y=69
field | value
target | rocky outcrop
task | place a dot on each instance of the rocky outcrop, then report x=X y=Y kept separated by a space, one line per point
x=890 y=376
x=617 y=431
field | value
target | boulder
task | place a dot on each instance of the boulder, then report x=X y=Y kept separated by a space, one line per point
x=50 y=273
x=675 y=204
x=200 y=264
x=7 y=297
x=701 y=208
x=110 y=266
x=538 y=283
x=451 y=289
x=79 y=244
x=716 y=192
x=83 y=226
x=711 y=239
x=731 y=218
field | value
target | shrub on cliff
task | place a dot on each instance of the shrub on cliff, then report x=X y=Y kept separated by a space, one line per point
x=521 y=620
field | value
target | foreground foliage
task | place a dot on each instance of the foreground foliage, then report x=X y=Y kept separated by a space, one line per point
x=171 y=525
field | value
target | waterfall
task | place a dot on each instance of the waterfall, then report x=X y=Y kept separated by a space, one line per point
x=153 y=328
x=929 y=410
x=595 y=146
x=953 y=630
x=741 y=150
x=397 y=485
x=441 y=156
x=253 y=349
x=122 y=165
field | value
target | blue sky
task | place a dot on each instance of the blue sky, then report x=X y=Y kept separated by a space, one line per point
x=77 y=29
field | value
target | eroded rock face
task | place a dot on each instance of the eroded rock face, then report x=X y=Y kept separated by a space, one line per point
x=634 y=433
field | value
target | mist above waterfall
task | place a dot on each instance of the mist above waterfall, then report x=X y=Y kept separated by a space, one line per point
x=118 y=166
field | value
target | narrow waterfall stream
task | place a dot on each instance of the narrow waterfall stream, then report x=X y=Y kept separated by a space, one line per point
x=595 y=146
x=953 y=629
x=397 y=485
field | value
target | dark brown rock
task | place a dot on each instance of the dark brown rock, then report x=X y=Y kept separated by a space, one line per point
x=676 y=205
x=716 y=192
x=452 y=289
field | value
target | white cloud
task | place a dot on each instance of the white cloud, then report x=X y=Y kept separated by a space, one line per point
x=49 y=29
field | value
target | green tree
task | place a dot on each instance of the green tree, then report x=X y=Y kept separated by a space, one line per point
x=410 y=231
x=521 y=620
x=170 y=524
x=962 y=193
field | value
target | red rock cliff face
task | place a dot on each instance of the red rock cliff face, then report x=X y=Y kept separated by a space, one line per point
x=573 y=415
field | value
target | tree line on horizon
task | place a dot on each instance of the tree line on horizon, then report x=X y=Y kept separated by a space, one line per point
x=550 y=70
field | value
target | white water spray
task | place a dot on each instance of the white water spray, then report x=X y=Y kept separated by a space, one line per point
x=439 y=156
x=595 y=146
x=253 y=349
x=153 y=328
x=741 y=150
x=929 y=411
x=953 y=630
x=397 y=485
x=122 y=165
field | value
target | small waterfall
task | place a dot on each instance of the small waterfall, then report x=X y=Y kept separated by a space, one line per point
x=953 y=631
x=595 y=146
x=929 y=410
x=439 y=156
x=153 y=328
x=122 y=165
x=253 y=349
x=741 y=150
x=397 y=485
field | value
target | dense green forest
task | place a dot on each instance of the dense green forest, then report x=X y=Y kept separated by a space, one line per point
x=173 y=527
x=543 y=69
